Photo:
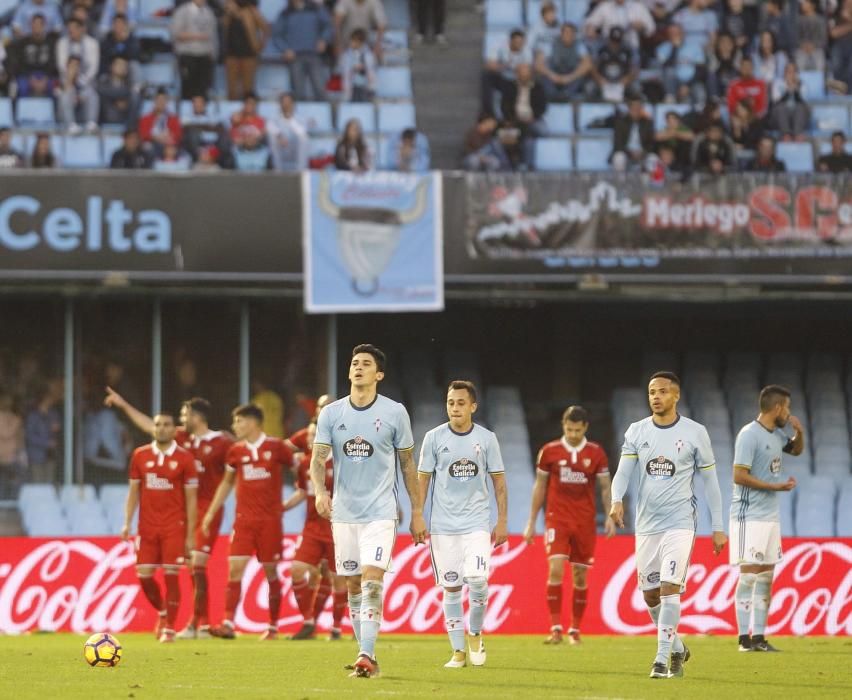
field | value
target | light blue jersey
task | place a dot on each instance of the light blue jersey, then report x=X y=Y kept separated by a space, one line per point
x=759 y=450
x=668 y=459
x=460 y=464
x=364 y=442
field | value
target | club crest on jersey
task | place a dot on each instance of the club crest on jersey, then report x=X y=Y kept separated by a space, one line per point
x=150 y=465
x=378 y=424
x=478 y=449
x=679 y=446
x=587 y=462
x=173 y=464
x=207 y=449
x=660 y=468
x=357 y=449
x=267 y=455
x=463 y=469
x=246 y=458
x=342 y=426
x=775 y=467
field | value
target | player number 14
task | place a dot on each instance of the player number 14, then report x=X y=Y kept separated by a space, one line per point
x=480 y=563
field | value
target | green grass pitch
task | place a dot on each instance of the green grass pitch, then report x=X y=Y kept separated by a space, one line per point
x=46 y=666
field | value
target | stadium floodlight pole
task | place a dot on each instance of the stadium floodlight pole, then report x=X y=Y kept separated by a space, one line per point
x=156 y=357
x=68 y=419
x=245 y=346
x=331 y=361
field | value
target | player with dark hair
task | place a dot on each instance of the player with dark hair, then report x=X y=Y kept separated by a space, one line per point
x=163 y=483
x=755 y=522
x=567 y=470
x=668 y=449
x=255 y=463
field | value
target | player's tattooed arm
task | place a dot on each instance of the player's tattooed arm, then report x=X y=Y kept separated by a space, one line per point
x=319 y=457
x=501 y=494
x=409 y=477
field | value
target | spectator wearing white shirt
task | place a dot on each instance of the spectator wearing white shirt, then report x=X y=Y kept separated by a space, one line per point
x=500 y=68
x=631 y=16
x=22 y=21
x=368 y=15
x=82 y=46
x=195 y=36
x=358 y=69
x=699 y=23
x=545 y=31
x=790 y=114
x=288 y=137
x=769 y=62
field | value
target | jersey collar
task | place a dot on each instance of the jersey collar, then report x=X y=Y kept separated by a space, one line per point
x=209 y=435
x=466 y=432
x=253 y=446
x=573 y=450
x=161 y=456
x=666 y=427
x=364 y=408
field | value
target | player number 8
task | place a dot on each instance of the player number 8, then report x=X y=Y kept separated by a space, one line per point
x=379 y=552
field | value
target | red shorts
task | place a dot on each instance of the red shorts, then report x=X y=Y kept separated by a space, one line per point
x=570 y=541
x=314 y=546
x=204 y=543
x=164 y=547
x=259 y=537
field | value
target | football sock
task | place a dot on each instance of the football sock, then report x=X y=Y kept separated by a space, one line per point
x=172 y=598
x=200 y=611
x=578 y=607
x=322 y=595
x=371 y=616
x=339 y=608
x=274 y=600
x=232 y=599
x=677 y=645
x=305 y=596
x=151 y=589
x=355 y=615
x=478 y=600
x=667 y=627
x=762 y=595
x=454 y=619
x=744 y=602
x=554 y=603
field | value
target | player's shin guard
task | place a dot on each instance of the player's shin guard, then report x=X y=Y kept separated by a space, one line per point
x=355 y=615
x=232 y=600
x=745 y=602
x=323 y=592
x=554 y=604
x=371 y=616
x=172 y=598
x=762 y=595
x=305 y=598
x=578 y=607
x=667 y=626
x=274 y=600
x=339 y=608
x=478 y=586
x=454 y=619
x=151 y=589
x=201 y=606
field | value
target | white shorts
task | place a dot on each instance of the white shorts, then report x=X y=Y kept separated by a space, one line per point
x=663 y=557
x=754 y=542
x=456 y=558
x=363 y=544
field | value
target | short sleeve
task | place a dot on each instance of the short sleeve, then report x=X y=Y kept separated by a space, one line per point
x=231 y=459
x=403 y=439
x=285 y=455
x=428 y=463
x=628 y=447
x=493 y=457
x=603 y=463
x=135 y=472
x=703 y=450
x=190 y=473
x=744 y=450
x=323 y=436
x=541 y=461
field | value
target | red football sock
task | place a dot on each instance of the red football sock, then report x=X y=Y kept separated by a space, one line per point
x=172 y=599
x=232 y=599
x=578 y=607
x=554 y=603
x=341 y=600
x=305 y=597
x=323 y=592
x=274 y=601
x=200 y=612
x=151 y=589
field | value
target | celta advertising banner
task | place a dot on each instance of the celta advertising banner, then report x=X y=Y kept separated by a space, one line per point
x=372 y=242
x=90 y=584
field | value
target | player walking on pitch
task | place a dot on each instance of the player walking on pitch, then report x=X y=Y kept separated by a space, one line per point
x=163 y=483
x=367 y=433
x=669 y=448
x=456 y=458
x=566 y=472
x=755 y=523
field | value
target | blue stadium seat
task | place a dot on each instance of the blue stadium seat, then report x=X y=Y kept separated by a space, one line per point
x=227 y=108
x=593 y=154
x=229 y=513
x=185 y=109
x=6 y=117
x=30 y=494
x=396 y=116
x=559 y=119
x=111 y=494
x=785 y=512
x=22 y=143
x=160 y=73
x=78 y=493
x=844 y=510
x=589 y=112
x=553 y=154
x=268 y=109
x=110 y=144
x=813 y=84
x=661 y=110
x=82 y=152
x=270 y=9
x=828 y=118
x=364 y=112
x=318 y=147
x=492 y=42
x=824 y=147
x=393 y=83
x=316 y=116
x=35 y=112
x=798 y=157
x=90 y=523
x=155 y=10
x=815 y=507
x=575 y=11
x=504 y=14
x=50 y=523
x=272 y=80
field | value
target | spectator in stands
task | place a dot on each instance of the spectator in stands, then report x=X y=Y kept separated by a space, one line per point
x=775 y=20
x=244 y=36
x=678 y=138
x=49 y=10
x=500 y=68
x=368 y=15
x=633 y=136
x=812 y=34
x=790 y=114
x=131 y=155
x=698 y=22
x=746 y=128
x=112 y=8
x=564 y=68
x=13 y=456
x=196 y=44
x=42 y=155
x=739 y=22
x=172 y=160
x=838 y=160
x=713 y=151
x=251 y=153
x=524 y=104
x=764 y=160
x=77 y=98
x=747 y=87
x=545 y=31
x=437 y=9
x=80 y=45
x=288 y=137
x=83 y=11
x=483 y=151
x=5 y=77
x=769 y=62
x=352 y=152
x=33 y=61
x=840 y=31
x=120 y=43
x=724 y=67
x=201 y=128
x=682 y=65
x=43 y=431
x=358 y=69
x=247 y=122
x=630 y=16
x=9 y=157
x=159 y=127
x=408 y=152
x=615 y=67
x=119 y=98
x=303 y=33
x=208 y=160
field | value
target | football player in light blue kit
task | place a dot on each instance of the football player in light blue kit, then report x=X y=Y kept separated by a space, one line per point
x=367 y=433
x=668 y=449
x=755 y=524
x=456 y=458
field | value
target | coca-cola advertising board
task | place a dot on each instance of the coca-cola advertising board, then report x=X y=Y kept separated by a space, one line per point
x=90 y=584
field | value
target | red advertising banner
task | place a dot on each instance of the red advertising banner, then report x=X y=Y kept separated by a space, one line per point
x=83 y=585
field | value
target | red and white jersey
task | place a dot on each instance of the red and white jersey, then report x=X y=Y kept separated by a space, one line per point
x=209 y=451
x=299 y=440
x=573 y=474
x=303 y=481
x=162 y=477
x=258 y=467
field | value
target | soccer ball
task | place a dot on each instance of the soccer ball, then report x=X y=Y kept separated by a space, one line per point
x=102 y=649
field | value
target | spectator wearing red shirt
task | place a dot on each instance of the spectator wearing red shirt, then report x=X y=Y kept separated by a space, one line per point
x=247 y=121
x=159 y=127
x=747 y=87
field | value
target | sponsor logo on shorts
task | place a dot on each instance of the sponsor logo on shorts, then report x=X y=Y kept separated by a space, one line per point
x=358 y=449
x=451 y=577
x=350 y=565
x=775 y=467
x=654 y=577
x=660 y=468
x=756 y=555
x=463 y=469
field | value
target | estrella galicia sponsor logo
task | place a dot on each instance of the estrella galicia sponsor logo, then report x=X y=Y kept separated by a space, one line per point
x=451 y=577
x=463 y=469
x=350 y=565
x=660 y=468
x=654 y=577
x=357 y=449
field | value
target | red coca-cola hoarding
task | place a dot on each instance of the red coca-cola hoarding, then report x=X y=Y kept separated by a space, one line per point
x=82 y=585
